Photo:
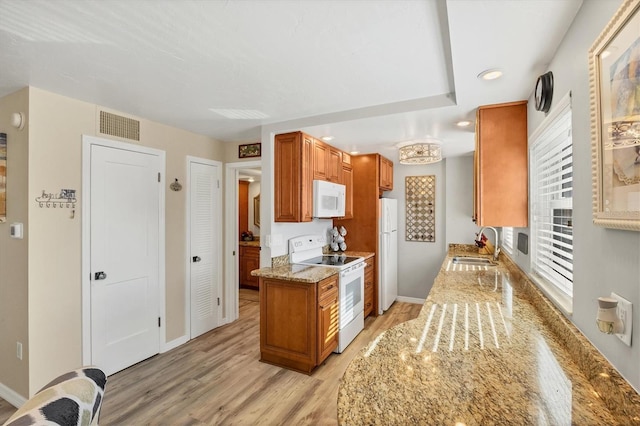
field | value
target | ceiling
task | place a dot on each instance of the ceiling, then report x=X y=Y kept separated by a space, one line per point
x=372 y=74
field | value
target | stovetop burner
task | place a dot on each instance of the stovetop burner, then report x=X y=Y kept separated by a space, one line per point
x=330 y=260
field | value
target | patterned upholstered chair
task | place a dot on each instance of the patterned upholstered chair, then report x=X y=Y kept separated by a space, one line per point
x=74 y=398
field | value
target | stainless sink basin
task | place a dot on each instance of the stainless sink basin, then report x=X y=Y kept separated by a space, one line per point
x=467 y=260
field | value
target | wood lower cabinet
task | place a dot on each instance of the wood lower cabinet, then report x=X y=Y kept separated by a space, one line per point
x=249 y=260
x=298 y=322
x=500 y=193
x=369 y=286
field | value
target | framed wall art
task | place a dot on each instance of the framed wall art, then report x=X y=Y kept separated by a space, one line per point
x=614 y=84
x=420 y=196
x=249 y=150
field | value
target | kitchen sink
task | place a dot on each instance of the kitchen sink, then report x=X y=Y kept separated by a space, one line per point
x=467 y=260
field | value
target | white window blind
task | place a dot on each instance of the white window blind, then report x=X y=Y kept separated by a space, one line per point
x=507 y=239
x=551 y=177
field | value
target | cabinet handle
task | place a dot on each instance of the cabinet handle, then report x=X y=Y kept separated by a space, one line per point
x=329 y=287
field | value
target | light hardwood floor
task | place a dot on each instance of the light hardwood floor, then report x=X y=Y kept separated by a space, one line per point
x=217 y=379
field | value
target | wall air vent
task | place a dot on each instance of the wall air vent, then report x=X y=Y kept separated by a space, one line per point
x=117 y=125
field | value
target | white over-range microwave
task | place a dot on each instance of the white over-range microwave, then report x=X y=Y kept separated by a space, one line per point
x=328 y=199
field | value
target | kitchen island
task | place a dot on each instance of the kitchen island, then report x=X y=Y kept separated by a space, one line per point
x=299 y=315
x=487 y=348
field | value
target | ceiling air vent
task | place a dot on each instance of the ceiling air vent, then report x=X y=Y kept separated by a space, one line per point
x=117 y=125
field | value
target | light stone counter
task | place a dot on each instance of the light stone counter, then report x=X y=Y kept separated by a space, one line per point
x=479 y=353
x=304 y=273
x=301 y=273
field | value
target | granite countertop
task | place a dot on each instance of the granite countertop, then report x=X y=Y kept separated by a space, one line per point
x=254 y=243
x=305 y=273
x=479 y=353
x=292 y=272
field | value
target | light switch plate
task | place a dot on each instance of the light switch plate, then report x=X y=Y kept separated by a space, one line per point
x=625 y=313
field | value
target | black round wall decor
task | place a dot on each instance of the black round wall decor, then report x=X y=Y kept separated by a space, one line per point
x=544 y=92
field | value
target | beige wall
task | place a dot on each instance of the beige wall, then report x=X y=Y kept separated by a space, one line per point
x=14 y=253
x=56 y=126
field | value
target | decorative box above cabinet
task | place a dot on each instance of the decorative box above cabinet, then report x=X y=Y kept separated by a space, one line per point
x=500 y=196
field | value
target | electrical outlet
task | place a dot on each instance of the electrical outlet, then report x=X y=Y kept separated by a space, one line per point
x=625 y=313
x=19 y=350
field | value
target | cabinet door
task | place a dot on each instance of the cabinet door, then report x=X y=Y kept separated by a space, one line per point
x=320 y=160
x=293 y=178
x=347 y=181
x=306 y=190
x=502 y=165
x=369 y=287
x=334 y=165
x=386 y=174
x=251 y=262
x=328 y=318
x=288 y=324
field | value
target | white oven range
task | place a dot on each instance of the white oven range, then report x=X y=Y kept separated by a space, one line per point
x=307 y=250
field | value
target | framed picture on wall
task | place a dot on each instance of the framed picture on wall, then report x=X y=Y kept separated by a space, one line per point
x=249 y=150
x=614 y=83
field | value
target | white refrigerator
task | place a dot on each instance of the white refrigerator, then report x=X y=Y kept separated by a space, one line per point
x=388 y=255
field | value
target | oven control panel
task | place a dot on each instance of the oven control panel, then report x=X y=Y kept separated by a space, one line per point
x=306 y=242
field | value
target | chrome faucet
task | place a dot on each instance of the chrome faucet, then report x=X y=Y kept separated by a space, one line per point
x=496 y=250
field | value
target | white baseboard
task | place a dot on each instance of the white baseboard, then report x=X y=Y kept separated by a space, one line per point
x=11 y=396
x=410 y=300
x=174 y=343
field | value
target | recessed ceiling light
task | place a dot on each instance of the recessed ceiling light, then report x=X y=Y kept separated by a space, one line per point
x=463 y=123
x=327 y=138
x=354 y=152
x=240 y=114
x=491 y=74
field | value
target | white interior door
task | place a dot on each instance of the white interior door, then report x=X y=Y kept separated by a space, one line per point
x=124 y=259
x=204 y=246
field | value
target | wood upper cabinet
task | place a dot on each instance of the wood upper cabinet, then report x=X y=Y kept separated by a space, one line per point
x=386 y=173
x=369 y=286
x=334 y=165
x=298 y=322
x=293 y=198
x=249 y=260
x=299 y=159
x=500 y=196
x=347 y=181
x=320 y=160
x=327 y=162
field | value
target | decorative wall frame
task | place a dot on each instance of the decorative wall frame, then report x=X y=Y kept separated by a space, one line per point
x=420 y=197
x=615 y=120
x=3 y=177
x=250 y=150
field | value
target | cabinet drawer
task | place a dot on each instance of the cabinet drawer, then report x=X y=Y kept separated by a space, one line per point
x=328 y=288
x=368 y=304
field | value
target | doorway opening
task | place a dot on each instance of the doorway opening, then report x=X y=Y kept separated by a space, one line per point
x=236 y=173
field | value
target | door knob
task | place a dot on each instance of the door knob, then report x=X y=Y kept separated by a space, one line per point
x=100 y=275
x=196 y=258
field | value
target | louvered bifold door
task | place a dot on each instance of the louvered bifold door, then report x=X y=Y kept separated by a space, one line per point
x=203 y=256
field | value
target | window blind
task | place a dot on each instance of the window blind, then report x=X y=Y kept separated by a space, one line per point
x=551 y=177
